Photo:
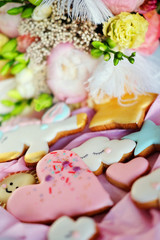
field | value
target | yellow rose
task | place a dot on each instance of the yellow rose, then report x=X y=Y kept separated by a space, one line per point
x=126 y=29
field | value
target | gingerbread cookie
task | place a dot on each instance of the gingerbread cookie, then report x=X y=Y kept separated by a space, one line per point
x=112 y=114
x=36 y=138
x=67 y=229
x=9 y=184
x=145 y=191
x=123 y=175
x=100 y=152
x=67 y=187
x=147 y=139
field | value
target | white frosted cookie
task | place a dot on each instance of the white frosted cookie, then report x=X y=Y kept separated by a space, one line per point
x=66 y=228
x=145 y=191
x=35 y=139
x=101 y=152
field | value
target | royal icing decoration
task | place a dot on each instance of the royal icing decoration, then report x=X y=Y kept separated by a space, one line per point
x=129 y=115
x=57 y=113
x=124 y=174
x=100 y=151
x=148 y=136
x=67 y=187
x=12 y=182
x=146 y=190
x=37 y=138
x=67 y=229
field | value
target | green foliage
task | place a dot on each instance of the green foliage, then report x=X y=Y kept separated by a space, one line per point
x=43 y=101
x=106 y=49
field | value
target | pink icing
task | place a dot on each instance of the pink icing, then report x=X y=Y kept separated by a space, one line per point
x=67 y=188
x=127 y=173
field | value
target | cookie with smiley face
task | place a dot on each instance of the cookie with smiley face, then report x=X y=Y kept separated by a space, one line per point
x=12 y=182
x=100 y=152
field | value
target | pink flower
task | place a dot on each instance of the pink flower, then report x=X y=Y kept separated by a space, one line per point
x=148 y=6
x=9 y=23
x=118 y=6
x=68 y=70
x=152 y=37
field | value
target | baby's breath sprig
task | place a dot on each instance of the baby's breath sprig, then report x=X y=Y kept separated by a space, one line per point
x=106 y=49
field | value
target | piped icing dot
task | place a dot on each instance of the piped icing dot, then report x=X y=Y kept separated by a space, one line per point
x=107 y=150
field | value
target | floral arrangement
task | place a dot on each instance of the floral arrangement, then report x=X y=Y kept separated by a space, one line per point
x=73 y=51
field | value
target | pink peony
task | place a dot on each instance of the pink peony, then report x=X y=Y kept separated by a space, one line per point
x=9 y=23
x=153 y=34
x=118 y=6
x=68 y=70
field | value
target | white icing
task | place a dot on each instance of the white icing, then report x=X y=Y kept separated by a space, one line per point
x=34 y=136
x=102 y=150
x=146 y=189
x=67 y=229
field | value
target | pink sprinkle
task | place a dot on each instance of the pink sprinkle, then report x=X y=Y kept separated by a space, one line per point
x=4 y=185
x=56 y=162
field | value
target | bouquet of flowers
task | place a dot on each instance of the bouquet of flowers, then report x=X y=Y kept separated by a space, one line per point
x=74 y=50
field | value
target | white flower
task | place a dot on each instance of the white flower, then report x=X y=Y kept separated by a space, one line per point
x=41 y=12
x=25 y=83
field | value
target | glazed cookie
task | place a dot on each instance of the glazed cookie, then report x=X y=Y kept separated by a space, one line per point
x=112 y=114
x=36 y=138
x=145 y=191
x=9 y=184
x=123 y=175
x=57 y=113
x=147 y=139
x=67 y=187
x=100 y=152
x=67 y=229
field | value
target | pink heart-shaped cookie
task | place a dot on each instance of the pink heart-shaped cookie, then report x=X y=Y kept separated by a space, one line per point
x=124 y=174
x=67 y=187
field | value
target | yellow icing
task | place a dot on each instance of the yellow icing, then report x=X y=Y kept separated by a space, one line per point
x=34 y=157
x=81 y=120
x=12 y=182
x=130 y=112
x=4 y=157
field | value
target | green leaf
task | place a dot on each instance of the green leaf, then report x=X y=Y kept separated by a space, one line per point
x=43 y=101
x=15 y=94
x=7 y=103
x=5 y=69
x=27 y=13
x=9 y=55
x=131 y=60
x=10 y=46
x=6 y=117
x=18 y=109
x=18 y=68
x=16 y=10
x=2 y=3
x=21 y=58
x=96 y=53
